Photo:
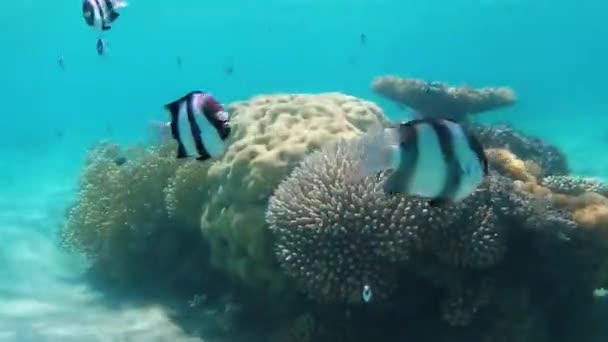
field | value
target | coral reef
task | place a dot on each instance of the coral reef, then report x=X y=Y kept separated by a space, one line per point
x=335 y=236
x=436 y=99
x=270 y=135
x=574 y=186
x=281 y=210
x=130 y=210
x=549 y=158
x=507 y=163
x=302 y=328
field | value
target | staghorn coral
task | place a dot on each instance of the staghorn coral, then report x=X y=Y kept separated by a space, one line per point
x=436 y=99
x=549 y=158
x=574 y=186
x=270 y=135
x=335 y=235
x=122 y=210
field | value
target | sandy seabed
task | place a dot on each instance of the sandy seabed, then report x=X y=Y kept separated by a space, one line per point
x=42 y=295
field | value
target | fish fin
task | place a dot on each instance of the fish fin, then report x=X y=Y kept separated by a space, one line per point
x=181 y=151
x=202 y=158
x=478 y=149
x=119 y=4
x=114 y=15
x=160 y=131
x=439 y=202
x=416 y=114
x=106 y=27
x=392 y=185
x=378 y=151
x=174 y=108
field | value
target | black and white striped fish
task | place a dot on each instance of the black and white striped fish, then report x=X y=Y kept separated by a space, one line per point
x=101 y=13
x=431 y=158
x=199 y=124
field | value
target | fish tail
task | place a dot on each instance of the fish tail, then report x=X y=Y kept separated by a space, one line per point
x=160 y=130
x=378 y=151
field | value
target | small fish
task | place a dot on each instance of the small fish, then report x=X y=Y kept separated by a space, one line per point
x=179 y=61
x=61 y=62
x=431 y=158
x=120 y=160
x=363 y=39
x=101 y=46
x=366 y=294
x=229 y=68
x=101 y=13
x=201 y=118
x=59 y=133
x=600 y=292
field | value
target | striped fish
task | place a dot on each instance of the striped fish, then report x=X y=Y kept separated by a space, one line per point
x=101 y=13
x=431 y=158
x=199 y=124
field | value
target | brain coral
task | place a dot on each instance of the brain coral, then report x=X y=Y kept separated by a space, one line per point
x=270 y=136
x=335 y=235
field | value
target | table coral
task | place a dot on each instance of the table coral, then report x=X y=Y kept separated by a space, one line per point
x=436 y=99
x=270 y=135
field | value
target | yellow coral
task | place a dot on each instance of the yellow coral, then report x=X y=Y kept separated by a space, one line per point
x=270 y=135
x=508 y=163
x=589 y=210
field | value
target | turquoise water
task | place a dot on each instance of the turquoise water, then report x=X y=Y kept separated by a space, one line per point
x=551 y=53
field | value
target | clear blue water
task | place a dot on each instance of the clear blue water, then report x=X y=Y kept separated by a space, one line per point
x=552 y=52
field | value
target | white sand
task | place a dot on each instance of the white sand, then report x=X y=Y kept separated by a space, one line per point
x=41 y=295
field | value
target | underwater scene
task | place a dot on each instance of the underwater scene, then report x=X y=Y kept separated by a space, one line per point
x=304 y=171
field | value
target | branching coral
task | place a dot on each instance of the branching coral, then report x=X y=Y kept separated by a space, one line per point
x=574 y=186
x=436 y=99
x=336 y=235
x=270 y=135
x=121 y=209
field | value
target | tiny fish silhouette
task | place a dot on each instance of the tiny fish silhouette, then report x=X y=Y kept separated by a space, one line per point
x=363 y=39
x=59 y=133
x=61 y=62
x=229 y=68
x=101 y=46
x=109 y=130
x=179 y=61
x=120 y=160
